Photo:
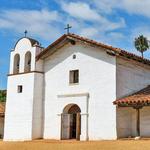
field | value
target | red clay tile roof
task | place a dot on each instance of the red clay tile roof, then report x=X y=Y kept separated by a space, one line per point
x=2 y=108
x=142 y=96
x=117 y=51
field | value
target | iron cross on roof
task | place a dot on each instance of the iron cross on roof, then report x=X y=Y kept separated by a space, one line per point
x=25 y=33
x=68 y=28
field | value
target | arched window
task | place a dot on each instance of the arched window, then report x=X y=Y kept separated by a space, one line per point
x=16 y=64
x=27 y=66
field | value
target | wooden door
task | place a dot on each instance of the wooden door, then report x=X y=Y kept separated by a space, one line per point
x=73 y=124
x=65 y=126
x=78 y=126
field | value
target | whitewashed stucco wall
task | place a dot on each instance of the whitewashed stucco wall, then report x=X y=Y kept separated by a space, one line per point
x=19 y=107
x=145 y=121
x=37 y=114
x=97 y=76
x=126 y=122
x=23 y=116
x=23 y=46
x=131 y=76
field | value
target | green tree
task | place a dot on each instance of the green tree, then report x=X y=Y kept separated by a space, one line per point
x=141 y=44
x=2 y=95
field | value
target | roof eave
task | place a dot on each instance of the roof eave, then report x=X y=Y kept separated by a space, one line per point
x=115 y=51
x=50 y=46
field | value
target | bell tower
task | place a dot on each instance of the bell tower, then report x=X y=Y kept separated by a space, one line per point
x=23 y=115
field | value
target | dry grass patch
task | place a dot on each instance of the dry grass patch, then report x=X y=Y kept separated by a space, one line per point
x=74 y=145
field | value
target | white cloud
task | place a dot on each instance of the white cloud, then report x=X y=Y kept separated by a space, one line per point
x=48 y=25
x=83 y=12
x=105 y=6
x=138 y=7
x=89 y=32
x=115 y=25
x=80 y=10
x=116 y=35
x=141 y=30
x=39 y=23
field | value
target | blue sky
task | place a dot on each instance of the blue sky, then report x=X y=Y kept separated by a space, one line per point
x=115 y=22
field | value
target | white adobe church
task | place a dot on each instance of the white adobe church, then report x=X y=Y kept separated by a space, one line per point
x=76 y=88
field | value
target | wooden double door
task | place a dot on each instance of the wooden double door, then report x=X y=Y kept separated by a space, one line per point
x=70 y=126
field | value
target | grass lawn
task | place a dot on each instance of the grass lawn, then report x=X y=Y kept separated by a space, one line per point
x=74 y=145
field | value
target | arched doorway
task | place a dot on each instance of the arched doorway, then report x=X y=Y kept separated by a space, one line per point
x=71 y=122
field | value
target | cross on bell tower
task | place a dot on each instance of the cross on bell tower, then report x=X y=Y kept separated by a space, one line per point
x=25 y=33
x=68 y=28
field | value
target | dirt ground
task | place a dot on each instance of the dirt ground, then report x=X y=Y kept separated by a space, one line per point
x=74 y=145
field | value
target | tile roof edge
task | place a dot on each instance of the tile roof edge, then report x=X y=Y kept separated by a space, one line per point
x=137 y=92
x=118 y=51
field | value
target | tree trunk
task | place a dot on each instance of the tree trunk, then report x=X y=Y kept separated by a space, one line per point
x=142 y=55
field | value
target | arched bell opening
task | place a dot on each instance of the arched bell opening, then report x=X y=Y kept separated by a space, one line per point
x=27 y=65
x=71 y=122
x=16 y=66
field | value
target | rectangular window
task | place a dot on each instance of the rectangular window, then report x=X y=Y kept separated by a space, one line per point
x=74 y=76
x=20 y=88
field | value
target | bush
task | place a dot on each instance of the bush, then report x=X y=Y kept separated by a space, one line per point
x=2 y=95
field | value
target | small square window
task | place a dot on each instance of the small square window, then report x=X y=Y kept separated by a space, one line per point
x=20 y=88
x=74 y=76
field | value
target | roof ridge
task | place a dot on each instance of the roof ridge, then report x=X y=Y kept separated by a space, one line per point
x=88 y=39
x=120 y=49
x=116 y=50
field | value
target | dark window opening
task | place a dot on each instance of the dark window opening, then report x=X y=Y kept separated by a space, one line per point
x=20 y=88
x=16 y=65
x=74 y=76
x=27 y=67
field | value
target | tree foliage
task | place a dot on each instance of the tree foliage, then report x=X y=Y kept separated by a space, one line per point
x=2 y=95
x=141 y=44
